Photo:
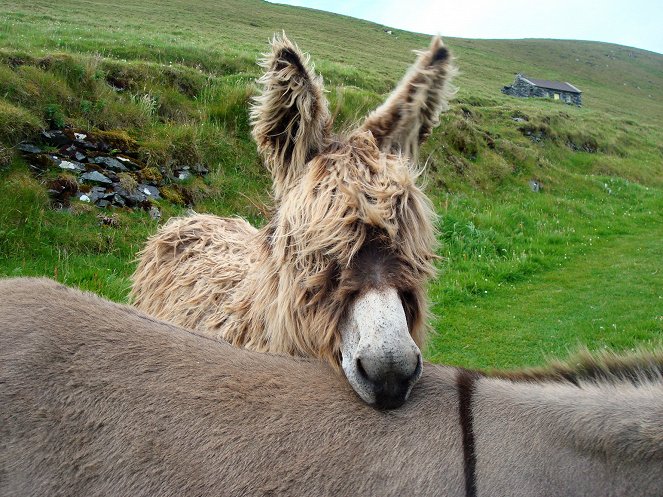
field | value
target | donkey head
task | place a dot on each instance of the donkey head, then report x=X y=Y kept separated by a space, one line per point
x=352 y=232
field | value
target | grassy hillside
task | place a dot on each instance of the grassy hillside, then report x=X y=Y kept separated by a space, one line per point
x=524 y=274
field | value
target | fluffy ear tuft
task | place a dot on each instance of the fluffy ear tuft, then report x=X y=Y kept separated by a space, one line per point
x=290 y=118
x=404 y=121
x=441 y=54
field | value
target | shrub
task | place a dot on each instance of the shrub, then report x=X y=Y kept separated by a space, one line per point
x=54 y=116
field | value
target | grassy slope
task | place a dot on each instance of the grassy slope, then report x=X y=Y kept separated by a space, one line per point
x=187 y=70
x=609 y=297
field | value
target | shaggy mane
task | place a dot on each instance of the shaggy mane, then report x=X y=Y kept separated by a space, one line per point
x=356 y=196
x=604 y=367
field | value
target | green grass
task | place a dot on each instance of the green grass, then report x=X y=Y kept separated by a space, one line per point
x=523 y=274
x=605 y=291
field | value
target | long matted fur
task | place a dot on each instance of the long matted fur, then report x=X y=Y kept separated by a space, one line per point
x=338 y=201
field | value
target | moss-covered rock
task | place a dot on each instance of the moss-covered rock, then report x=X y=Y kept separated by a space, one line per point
x=128 y=181
x=151 y=175
x=116 y=139
x=174 y=194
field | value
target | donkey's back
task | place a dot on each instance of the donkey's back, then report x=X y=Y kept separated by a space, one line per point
x=99 y=399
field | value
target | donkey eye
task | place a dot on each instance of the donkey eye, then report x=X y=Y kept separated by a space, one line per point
x=409 y=302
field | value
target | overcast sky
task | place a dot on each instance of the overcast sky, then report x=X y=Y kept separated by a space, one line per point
x=635 y=23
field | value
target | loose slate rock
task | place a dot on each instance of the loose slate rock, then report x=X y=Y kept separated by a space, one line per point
x=131 y=198
x=535 y=186
x=86 y=144
x=55 y=138
x=73 y=153
x=149 y=190
x=29 y=148
x=118 y=200
x=200 y=169
x=96 y=177
x=183 y=175
x=155 y=213
x=97 y=193
x=71 y=165
x=97 y=164
x=110 y=163
x=128 y=163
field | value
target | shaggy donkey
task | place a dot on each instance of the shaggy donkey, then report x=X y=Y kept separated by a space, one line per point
x=99 y=399
x=339 y=271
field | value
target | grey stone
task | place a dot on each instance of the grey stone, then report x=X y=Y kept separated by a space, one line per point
x=97 y=193
x=155 y=213
x=110 y=163
x=118 y=188
x=85 y=144
x=71 y=165
x=118 y=200
x=128 y=163
x=95 y=177
x=535 y=186
x=29 y=148
x=200 y=169
x=74 y=153
x=131 y=199
x=55 y=138
x=183 y=175
x=149 y=190
x=103 y=203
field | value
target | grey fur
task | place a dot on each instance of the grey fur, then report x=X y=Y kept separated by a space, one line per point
x=99 y=399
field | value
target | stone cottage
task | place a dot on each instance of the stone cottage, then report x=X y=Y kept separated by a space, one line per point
x=525 y=87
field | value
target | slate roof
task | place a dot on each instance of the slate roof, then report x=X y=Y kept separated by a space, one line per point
x=552 y=85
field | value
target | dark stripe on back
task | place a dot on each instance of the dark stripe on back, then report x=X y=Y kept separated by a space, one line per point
x=466 y=381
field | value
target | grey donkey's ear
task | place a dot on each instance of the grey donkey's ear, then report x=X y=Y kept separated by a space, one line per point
x=412 y=110
x=291 y=117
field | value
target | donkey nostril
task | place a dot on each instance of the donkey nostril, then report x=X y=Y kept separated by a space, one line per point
x=360 y=369
x=420 y=365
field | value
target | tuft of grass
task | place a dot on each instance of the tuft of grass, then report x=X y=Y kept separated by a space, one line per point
x=16 y=124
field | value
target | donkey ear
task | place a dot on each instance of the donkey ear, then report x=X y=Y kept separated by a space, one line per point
x=291 y=117
x=407 y=117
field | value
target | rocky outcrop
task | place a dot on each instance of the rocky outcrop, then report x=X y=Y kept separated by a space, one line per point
x=101 y=168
